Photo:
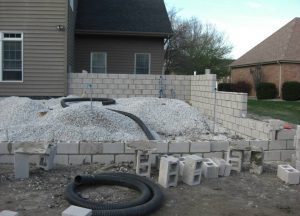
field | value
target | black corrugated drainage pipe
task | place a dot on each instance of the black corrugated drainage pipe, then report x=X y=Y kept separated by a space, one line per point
x=150 y=199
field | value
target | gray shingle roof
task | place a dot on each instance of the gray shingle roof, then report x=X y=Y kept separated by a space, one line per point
x=283 y=45
x=145 y=17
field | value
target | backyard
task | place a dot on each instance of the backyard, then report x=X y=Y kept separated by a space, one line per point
x=285 y=110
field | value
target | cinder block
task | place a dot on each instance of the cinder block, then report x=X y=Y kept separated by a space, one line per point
x=103 y=159
x=272 y=155
x=264 y=144
x=235 y=159
x=288 y=174
x=46 y=161
x=116 y=148
x=219 y=146
x=191 y=173
x=79 y=159
x=162 y=147
x=90 y=148
x=76 y=211
x=157 y=160
x=240 y=144
x=286 y=134
x=8 y=213
x=168 y=171
x=61 y=159
x=143 y=163
x=179 y=147
x=276 y=124
x=125 y=158
x=67 y=148
x=6 y=159
x=21 y=166
x=298 y=165
x=277 y=144
x=4 y=147
x=209 y=168
x=200 y=146
x=224 y=168
x=286 y=155
x=213 y=154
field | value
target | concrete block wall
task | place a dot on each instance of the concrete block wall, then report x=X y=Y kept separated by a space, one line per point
x=110 y=152
x=231 y=108
x=128 y=85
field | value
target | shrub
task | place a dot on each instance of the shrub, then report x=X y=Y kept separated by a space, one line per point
x=291 y=91
x=227 y=87
x=265 y=90
x=242 y=86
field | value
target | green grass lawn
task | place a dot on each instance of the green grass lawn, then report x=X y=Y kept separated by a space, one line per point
x=284 y=110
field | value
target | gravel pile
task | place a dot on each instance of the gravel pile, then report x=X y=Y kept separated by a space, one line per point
x=168 y=117
x=32 y=120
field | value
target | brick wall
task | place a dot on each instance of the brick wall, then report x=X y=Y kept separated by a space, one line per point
x=108 y=152
x=290 y=72
x=128 y=85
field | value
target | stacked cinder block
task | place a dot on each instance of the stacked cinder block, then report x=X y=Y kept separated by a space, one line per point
x=209 y=168
x=143 y=163
x=235 y=158
x=168 y=171
x=288 y=174
x=224 y=168
x=191 y=174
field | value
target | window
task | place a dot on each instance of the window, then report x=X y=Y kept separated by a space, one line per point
x=72 y=4
x=142 y=63
x=98 y=62
x=11 y=55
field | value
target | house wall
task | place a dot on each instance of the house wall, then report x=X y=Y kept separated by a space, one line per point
x=44 y=48
x=290 y=72
x=120 y=52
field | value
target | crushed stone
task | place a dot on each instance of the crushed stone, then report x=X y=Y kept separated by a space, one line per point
x=43 y=120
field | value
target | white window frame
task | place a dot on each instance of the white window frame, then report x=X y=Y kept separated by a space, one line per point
x=91 y=61
x=1 y=54
x=149 y=66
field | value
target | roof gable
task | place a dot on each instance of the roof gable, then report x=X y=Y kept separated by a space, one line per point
x=283 y=45
x=121 y=16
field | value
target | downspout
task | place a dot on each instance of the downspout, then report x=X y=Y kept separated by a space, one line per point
x=280 y=80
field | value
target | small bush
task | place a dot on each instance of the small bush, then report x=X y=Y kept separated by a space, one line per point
x=227 y=87
x=291 y=91
x=242 y=87
x=266 y=90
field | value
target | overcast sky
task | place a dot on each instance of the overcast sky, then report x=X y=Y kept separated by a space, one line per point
x=245 y=23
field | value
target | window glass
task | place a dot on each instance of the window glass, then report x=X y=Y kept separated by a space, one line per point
x=98 y=62
x=142 y=63
x=11 y=60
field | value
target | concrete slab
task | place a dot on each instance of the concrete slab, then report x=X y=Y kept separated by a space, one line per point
x=76 y=211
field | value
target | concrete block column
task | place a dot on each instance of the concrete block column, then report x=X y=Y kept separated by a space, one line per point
x=143 y=163
x=192 y=170
x=168 y=171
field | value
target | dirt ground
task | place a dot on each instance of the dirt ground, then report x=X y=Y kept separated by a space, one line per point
x=240 y=194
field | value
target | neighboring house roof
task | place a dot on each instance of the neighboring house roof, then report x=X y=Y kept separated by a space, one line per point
x=283 y=45
x=125 y=17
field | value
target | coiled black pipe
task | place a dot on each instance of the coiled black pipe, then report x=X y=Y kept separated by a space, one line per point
x=105 y=101
x=151 y=197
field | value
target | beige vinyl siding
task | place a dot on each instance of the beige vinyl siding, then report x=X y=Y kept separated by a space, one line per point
x=120 y=52
x=44 y=48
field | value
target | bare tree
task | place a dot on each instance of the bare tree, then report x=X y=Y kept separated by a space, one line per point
x=195 y=46
x=257 y=74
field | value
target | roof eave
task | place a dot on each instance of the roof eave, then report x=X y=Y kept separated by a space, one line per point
x=123 y=33
x=265 y=63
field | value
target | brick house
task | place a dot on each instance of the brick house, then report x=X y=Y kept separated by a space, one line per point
x=278 y=56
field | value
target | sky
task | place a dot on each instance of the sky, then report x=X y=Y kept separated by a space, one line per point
x=244 y=23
